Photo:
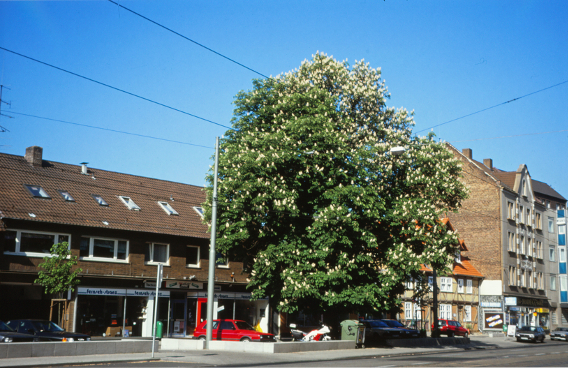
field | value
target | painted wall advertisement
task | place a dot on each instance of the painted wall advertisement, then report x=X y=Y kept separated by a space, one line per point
x=494 y=320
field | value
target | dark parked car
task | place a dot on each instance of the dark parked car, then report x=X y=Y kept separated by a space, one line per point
x=45 y=330
x=235 y=330
x=378 y=330
x=530 y=333
x=561 y=333
x=9 y=335
x=405 y=332
x=451 y=328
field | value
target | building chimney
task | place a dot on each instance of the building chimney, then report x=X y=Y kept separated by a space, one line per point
x=84 y=168
x=488 y=162
x=34 y=156
x=468 y=153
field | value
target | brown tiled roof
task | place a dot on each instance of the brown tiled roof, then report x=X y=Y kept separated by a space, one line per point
x=465 y=268
x=507 y=178
x=16 y=202
x=543 y=188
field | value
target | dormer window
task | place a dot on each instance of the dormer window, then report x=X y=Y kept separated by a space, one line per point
x=65 y=194
x=129 y=203
x=168 y=208
x=458 y=257
x=100 y=200
x=37 y=191
x=199 y=210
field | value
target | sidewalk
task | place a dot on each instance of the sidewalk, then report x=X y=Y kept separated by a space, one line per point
x=223 y=358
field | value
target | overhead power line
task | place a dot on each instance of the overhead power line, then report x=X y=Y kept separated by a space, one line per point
x=494 y=106
x=187 y=38
x=509 y=136
x=115 y=88
x=111 y=130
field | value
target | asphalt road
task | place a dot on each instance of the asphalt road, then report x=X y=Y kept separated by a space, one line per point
x=549 y=354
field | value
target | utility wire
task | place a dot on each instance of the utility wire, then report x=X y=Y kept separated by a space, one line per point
x=494 y=106
x=509 y=136
x=187 y=38
x=115 y=88
x=111 y=130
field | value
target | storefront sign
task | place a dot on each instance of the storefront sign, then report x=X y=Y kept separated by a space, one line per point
x=510 y=300
x=150 y=284
x=100 y=291
x=493 y=320
x=531 y=302
x=491 y=304
x=184 y=285
x=542 y=310
x=514 y=309
x=221 y=295
x=147 y=293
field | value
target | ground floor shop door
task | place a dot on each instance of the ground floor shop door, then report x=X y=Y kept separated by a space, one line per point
x=178 y=317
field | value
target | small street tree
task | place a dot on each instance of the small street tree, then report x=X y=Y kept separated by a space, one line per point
x=57 y=275
x=315 y=202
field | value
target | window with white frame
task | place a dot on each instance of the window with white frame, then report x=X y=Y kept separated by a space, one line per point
x=552 y=282
x=410 y=284
x=522 y=245
x=540 y=281
x=99 y=199
x=539 y=250
x=529 y=222
x=128 y=202
x=467 y=313
x=168 y=208
x=103 y=249
x=460 y=286
x=561 y=254
x=530 y=283
x=31 y=243
x=521 y=214
x=408 y=310
x=529 y=247
x=417 y=313
x=510 y=210
x=37 y=192
x=512 y=246
x=457 y=254
x=561 y=229
x=221 y=261
x=431 y=283
x=469 y=286
x=538 y=221
x=446 y=284
x=445 y=311
x=157 y=253
x=192 y=256
x=552 y=254
x=512 y=276
x=551 y=225
x=66 y=196
x=523 y=279
x=200 y=211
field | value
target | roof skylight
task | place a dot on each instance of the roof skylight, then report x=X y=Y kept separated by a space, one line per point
x=65 y=194
x=37 y=191
x=100 y=200
x=200 y=211
x=129 y=203
x=168 y=208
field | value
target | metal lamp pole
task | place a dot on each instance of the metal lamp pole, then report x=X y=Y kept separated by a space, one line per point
x=212 y=253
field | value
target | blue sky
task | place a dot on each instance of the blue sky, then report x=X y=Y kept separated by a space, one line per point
x=442 y=59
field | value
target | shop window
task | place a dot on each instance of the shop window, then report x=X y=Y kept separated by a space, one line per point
x=446 y=284
x=157 y=253
x=66 y=196
x=168 y=208
x=192 y=256
x=37 y=191
x=469 y=286
x=103 y=249
x=31 y=243
x=221 y=261
x=467 y=313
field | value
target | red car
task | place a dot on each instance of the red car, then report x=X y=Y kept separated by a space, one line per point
x=232 y=330
x=451 y=328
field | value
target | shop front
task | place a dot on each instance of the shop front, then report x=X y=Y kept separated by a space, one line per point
x=113 y=312
x=522 y=311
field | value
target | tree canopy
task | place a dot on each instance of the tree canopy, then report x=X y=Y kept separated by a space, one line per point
x=57 y=275
x=314 y=201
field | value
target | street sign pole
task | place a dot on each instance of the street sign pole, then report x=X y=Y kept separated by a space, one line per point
x=158 y=282
x=212 y=253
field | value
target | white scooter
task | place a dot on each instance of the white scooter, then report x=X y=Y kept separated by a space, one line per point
x=316 y=335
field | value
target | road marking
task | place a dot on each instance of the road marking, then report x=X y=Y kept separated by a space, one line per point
x=505 y=357
x=521 y=356
x=420 y=363
x=555 y=352
x=540 y=354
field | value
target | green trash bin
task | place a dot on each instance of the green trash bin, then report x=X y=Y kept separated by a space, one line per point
x=349 y=329
x=159 y=329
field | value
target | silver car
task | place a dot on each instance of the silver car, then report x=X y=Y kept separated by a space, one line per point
x=561 y=333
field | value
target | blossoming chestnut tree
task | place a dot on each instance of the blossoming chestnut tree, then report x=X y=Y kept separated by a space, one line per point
x=315 y=203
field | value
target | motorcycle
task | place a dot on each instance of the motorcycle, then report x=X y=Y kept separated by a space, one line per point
x=314 y=335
